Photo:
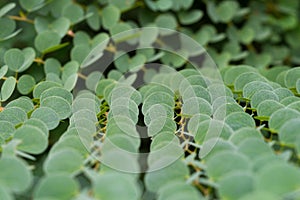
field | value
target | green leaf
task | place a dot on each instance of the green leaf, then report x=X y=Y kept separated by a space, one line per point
x=196 y=105
x=32 y=5
x=56 y=186
x=37 y=123
x=110 y=16
x=239 y=120
x=42 y=86
x=52 y=66
x=3 y=71
x=233 y=72
x=289 y=100
x=226 y=162
x=260 y=195
x=25 y=84
x=14 y=174
x=161 y=124
x=92 y=80
x=245 y=78
x=127 y=187
x=126 y=91
x=196 y=91
x=161 y=98
x=5 y=9
x=250 y=88
x=73 y=12
x=291 y=77
x=155 y=111
x=162 y=139
x=19 y=61
x=93 y=21
x=80 y=52
x=66 y=161
x=261 y=96
x=211 y=129
x=47 y=115
x=236 y=185
x=226 y=10
x=8 y=88
x=283 y=93
x=5 y=194
x=278 y=179
x=244 y=133
x=122 y=5
x=46 y=40
x=25 y=103
x=179 y=190
x=73 y=142
x=267 y=107
x=166 y=21
x=246 y=35
x=33 y=140
x=222 y=111
x=175 y=171
x=59 y=92
x=261 y=148
x=60 y=25
x=298 y=86
x=13 y=115
x=288 y=133
x=9 y=26
x=6 y=131
x=190 y=17
x=279 y=117
x=70 y=82
x=61 y=106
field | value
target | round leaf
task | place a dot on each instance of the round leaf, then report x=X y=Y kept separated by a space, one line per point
x=14 y=174
x=57 y=187
x=47 y=115
x=61 y=106
x=33 y=140
x=25 y=84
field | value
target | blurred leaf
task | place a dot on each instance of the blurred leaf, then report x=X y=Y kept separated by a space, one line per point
x=239 y=120
x=33 y=140
x=166 y=21
x=66 y=161
x=57 y=187
x=14 y=174
x=32 y=5
x=226 y=162
x=278 y=179
x=93 y=21
x=5 y=9
x=73 y=12
x=226 y=10
x=127 y=188
x=236 y=185
x=110 y=16
x=190 y=17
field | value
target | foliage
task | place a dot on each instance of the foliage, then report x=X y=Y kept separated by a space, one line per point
x=68 y=132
